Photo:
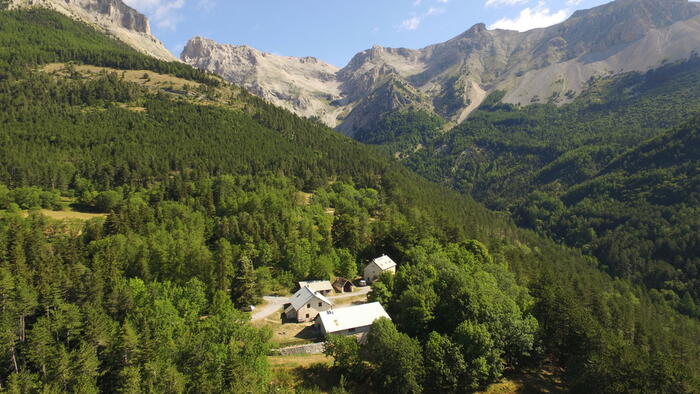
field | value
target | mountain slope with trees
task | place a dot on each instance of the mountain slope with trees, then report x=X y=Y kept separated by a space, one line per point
x=113 y=17
x=583 y=175
x=200 y=188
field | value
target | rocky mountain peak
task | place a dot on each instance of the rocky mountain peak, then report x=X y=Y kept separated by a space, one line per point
x=111 y=16
x=198 y=46
x=122 y=15
x=622 y=21
x=305 y=85
x=310 y=60
x=476 y=29
x=658 y=12
x=451 y=79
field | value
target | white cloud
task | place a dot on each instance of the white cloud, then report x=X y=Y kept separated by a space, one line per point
x=532 y=18
x=416 y=3
x=573 y=3
x=166 y=13
x=414 y=22
x=498 y=3
x=205 y=5
x=435 y=11
x=411 y=23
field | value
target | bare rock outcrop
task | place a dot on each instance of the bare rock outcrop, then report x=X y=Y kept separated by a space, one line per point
x=305 y=85
x=451 y=79
x=111 y=16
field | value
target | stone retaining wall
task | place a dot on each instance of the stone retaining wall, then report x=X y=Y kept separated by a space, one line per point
x=311 y=348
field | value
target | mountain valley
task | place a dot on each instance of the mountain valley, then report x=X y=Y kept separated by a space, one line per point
x=538 y=192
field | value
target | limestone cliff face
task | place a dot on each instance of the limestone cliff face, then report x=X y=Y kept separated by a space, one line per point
x=111 y=16
x=306 y=85
x=552 y=64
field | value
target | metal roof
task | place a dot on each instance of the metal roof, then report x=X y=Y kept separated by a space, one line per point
x=304 y=295
x=316 y=285
x=384 y=262
x=351 y=317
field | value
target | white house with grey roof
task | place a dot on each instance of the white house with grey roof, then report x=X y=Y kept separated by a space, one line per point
x=306 y=304
x=353 y=320
x=378 y=266
x=319 y=286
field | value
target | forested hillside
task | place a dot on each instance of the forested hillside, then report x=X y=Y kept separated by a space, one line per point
x=583 y=173
x=201 y=187
x=640 y=216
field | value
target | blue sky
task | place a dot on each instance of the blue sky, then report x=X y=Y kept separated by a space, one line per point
x=334 y=30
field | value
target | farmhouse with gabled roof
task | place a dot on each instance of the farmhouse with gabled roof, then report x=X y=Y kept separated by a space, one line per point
x=306 y=304
x=378 y=266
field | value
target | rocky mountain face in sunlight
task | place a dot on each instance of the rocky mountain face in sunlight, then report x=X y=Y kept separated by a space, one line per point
x=451 y=79
x=306 y=85
x=111 y=16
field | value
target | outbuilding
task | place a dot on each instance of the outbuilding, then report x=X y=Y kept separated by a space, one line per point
x=342 y=285
x=378 y=266
x=319 y=286
x=353 y=320
x=306 y=304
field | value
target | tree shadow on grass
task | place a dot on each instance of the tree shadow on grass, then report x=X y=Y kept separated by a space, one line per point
x=317 y=377
x=547 y=378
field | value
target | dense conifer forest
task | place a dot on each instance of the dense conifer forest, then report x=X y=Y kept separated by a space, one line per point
x=614 y=173
x=205 y=211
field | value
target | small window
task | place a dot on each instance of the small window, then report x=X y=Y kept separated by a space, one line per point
x=320 y=304
x=307 y=315
x=308 y=305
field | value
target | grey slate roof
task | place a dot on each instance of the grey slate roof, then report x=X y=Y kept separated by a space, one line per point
x=304 y=295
